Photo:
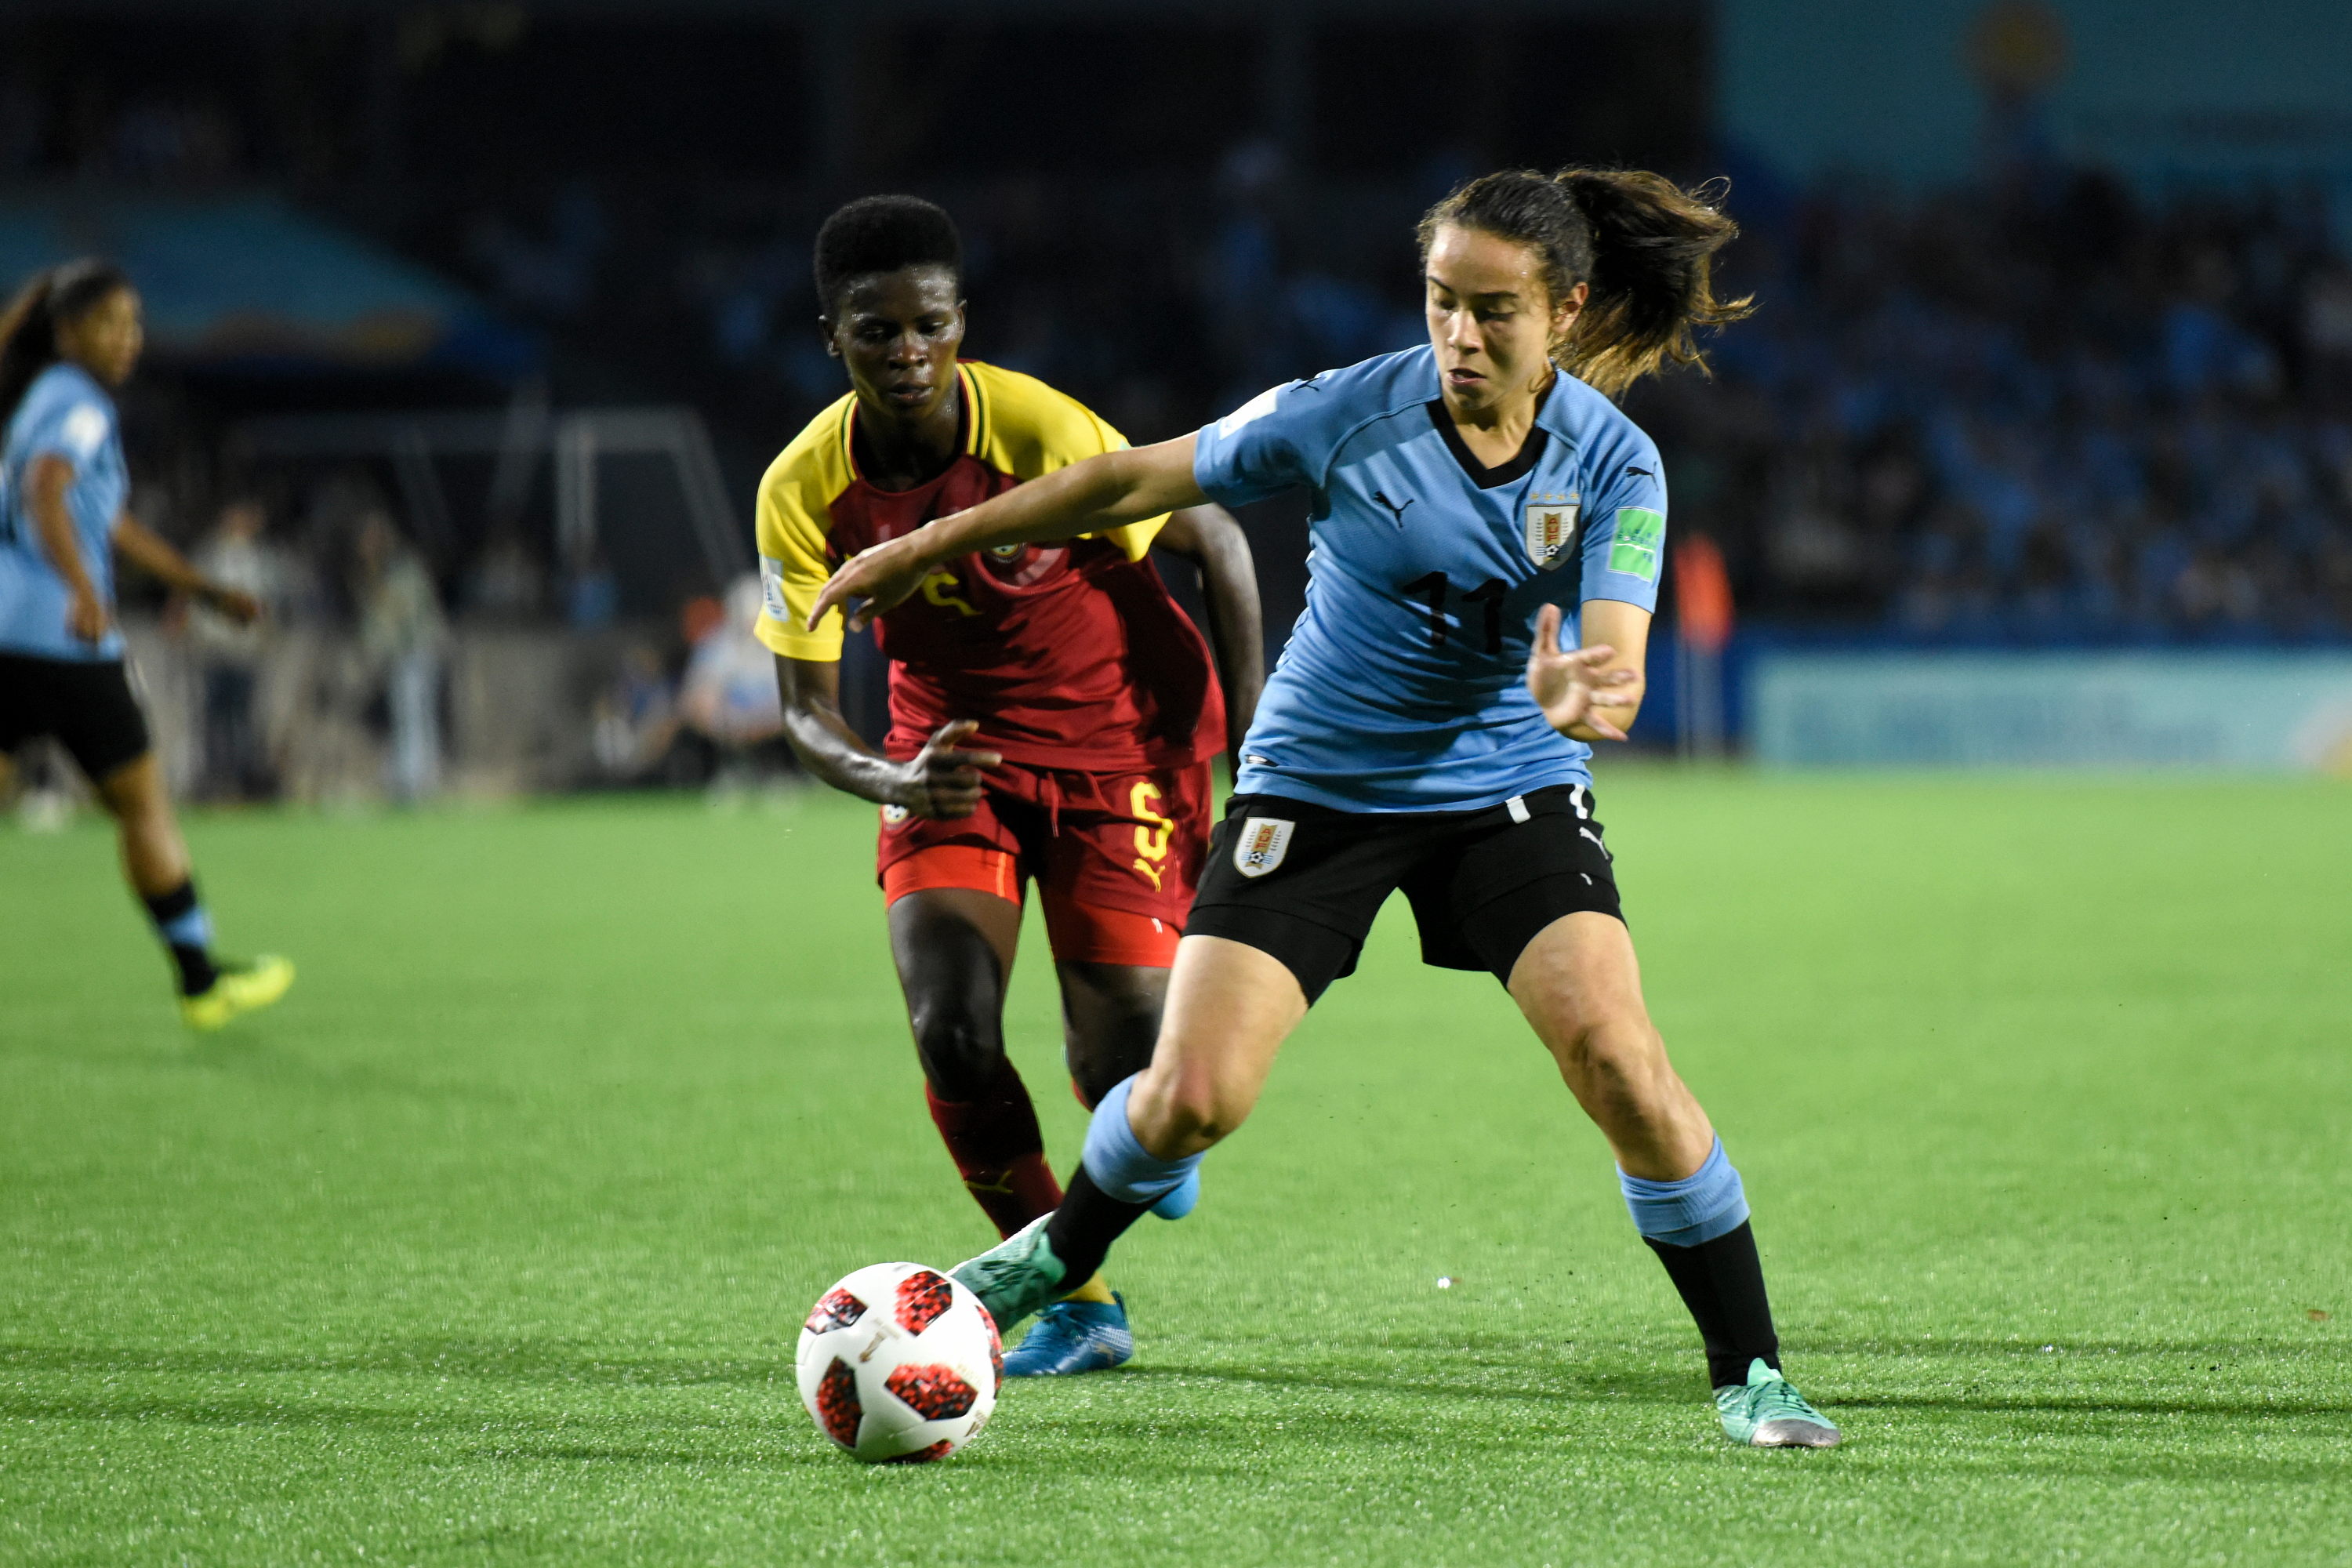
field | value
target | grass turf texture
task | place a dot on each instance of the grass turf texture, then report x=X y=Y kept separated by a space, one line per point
x=490 y=1244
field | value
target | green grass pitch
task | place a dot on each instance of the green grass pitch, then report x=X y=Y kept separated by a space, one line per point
x=490 y=1246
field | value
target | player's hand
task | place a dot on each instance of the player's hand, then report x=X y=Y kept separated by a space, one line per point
x=234 y=603
x=942 y=780
x=883 y=576
x=1571 y=687
x=86 y=615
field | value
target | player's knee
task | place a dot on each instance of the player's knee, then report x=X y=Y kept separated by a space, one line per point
x=1186 y=1111
x=1613 y=1056
x=960 y=1053
x=1109 y=1050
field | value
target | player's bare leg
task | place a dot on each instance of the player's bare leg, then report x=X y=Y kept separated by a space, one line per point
x=1110 y=1016
x=156 y=863
x=154 y=856
x=1110 y=1021
x=954 y=949
x=1230 y=1006
x=1580 y=986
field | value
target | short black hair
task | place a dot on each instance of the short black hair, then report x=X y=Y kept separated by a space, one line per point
x=883 y=233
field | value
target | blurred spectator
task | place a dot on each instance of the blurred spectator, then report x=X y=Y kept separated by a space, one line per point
x=591 y=597
x=636 y=721
x=403 y=634
x=230 y=658
x=505 y=582
x=729 y=696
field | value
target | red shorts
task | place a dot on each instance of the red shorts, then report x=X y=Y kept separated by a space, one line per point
x=1115 y=855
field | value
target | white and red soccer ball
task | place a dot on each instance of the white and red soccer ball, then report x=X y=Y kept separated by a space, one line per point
x=900 y=1363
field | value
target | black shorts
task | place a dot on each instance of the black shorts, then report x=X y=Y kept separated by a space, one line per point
x=85 y=703
x=1482 y=883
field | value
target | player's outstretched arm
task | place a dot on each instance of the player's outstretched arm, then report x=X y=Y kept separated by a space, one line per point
x=154 y=555
x=1211 y=540
x=943 y=780
x=1573 y=686
x=1101 y=492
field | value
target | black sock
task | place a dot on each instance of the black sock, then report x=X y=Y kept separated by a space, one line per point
x=1722 y=1283
x=180 y=921
x=1082 y=1228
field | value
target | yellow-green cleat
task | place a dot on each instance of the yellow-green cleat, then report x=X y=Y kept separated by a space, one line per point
x=1766 y=1412
x=237 y=988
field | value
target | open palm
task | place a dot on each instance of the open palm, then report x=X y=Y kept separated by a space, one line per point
x=1572 y=687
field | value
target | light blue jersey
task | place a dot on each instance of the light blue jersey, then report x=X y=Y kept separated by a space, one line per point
x=67 y=413
x=1403 y=685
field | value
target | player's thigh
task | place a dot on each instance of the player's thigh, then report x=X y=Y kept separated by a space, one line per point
x=1578 y=972
x=134 y=791
x=942 y=882
x=1230 y=1006
x=1110 y=1021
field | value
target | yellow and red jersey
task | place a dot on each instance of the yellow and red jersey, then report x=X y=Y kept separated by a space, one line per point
x=1069 y=656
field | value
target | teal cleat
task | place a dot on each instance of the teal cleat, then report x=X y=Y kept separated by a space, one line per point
x=1179 y=1200
x=1017 y=1277
x=1072 y=1336
x=1766 y=1412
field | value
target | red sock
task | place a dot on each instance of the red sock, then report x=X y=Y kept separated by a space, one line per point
x=996 y=1145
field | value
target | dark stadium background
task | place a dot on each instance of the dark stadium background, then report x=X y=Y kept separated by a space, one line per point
x=2006 y=389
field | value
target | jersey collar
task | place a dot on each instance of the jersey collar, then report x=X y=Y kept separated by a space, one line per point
x=971 y=417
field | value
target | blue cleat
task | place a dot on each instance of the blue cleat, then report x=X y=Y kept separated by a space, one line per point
x=1178 y=1200
x=1072 y=1336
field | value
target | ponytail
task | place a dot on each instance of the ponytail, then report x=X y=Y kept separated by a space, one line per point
x=29 y=326
x=1644 y=245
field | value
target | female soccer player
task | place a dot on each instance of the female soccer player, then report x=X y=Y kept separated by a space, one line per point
x=70 y=336
x=1425 y=730
x=1053 y=716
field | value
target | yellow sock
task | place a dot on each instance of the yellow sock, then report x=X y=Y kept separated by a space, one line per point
x=1094 y=1289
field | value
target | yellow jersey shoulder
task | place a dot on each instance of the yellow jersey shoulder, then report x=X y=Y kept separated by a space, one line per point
x=1028 y=429
x=793 y=516
x=809 y=475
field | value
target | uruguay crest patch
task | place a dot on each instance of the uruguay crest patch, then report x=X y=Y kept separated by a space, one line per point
x=1261 y=844
x=1551 y=529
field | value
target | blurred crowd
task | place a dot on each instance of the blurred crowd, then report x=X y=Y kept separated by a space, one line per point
x=369 y=668
x=2054 y=412
x=2044 y=408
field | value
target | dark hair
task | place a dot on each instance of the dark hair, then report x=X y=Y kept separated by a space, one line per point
x=28 y=327
x=1645 y=245
x=883 y=233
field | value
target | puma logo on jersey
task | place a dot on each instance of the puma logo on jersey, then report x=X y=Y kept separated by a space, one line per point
x=1396 y=509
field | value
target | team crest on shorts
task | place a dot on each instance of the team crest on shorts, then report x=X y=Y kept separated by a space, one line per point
x=1264 y=841
x=1551 y=528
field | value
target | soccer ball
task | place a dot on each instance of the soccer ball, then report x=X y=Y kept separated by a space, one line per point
x=900 y=1363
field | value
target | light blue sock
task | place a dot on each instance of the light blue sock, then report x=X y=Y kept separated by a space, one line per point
x=194 y=928
x=1121 y=1166
x=1706 y=1204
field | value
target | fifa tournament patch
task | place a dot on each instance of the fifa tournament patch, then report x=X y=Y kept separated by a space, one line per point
x=1639 y=533
x=1263 y=842
x=83 y=431
x=772 y=590
x=1550 y=528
